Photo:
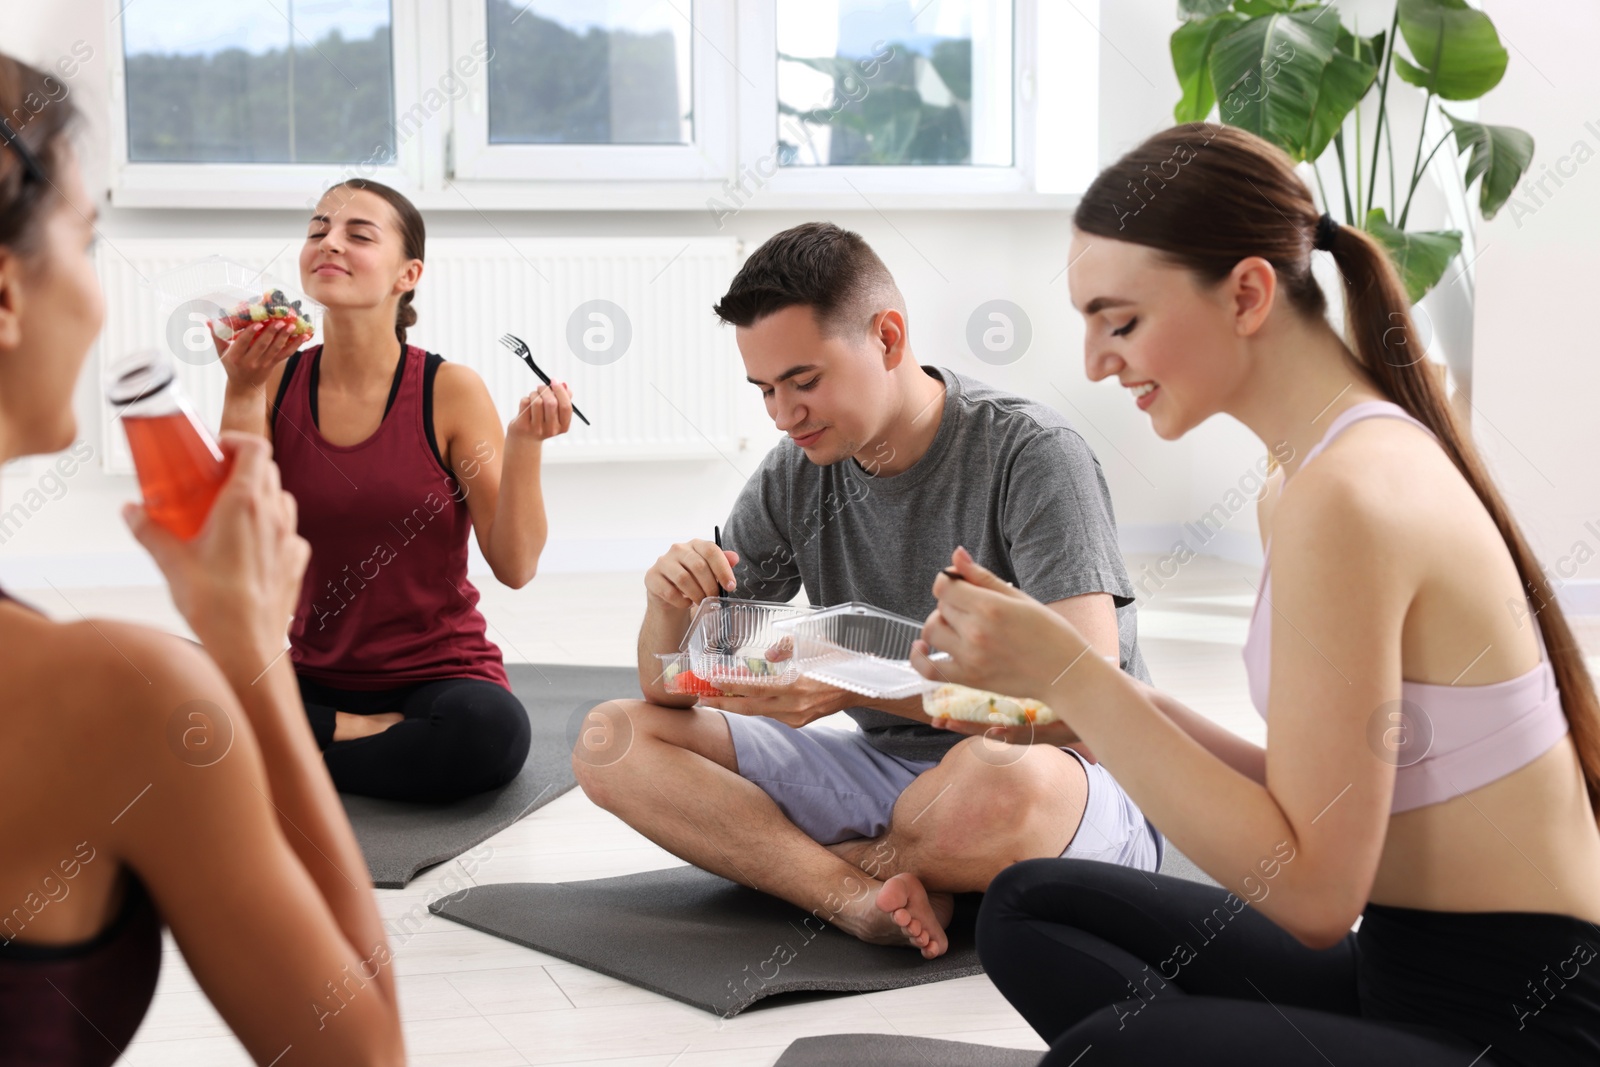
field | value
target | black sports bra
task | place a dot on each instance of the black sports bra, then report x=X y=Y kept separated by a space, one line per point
x=77 y=1005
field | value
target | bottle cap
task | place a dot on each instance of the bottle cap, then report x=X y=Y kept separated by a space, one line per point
x=136 y=376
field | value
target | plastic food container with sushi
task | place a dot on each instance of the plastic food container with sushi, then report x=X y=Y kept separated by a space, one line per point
x=979 y=705
x=738 y=642
x=861 y=648
x=229 y=296
x=678 y=676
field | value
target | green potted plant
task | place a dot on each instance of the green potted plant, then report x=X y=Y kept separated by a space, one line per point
x=1293 y=73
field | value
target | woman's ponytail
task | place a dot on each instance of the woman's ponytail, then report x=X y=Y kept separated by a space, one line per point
x=1199 y=194
x=405 y=316
x=1382 y=333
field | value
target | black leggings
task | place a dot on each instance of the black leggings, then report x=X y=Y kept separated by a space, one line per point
x=460 y=736
x=1115 y=966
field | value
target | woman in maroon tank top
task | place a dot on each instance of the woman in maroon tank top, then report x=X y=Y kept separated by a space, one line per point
x=393 y=455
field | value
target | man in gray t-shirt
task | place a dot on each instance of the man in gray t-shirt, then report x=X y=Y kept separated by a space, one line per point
x=888 y=467
x=1007 y=477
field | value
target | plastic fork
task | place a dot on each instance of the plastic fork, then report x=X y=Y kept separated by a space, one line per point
x=724 y=622
x=517 y=345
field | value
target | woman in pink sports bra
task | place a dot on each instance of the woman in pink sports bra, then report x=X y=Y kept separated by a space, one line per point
x=1433 y=747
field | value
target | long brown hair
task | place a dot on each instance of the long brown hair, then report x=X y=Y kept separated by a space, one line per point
x=413 y=236
x=35 y=108
x=1207 y=196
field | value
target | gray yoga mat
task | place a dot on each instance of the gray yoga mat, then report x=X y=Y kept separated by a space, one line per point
x=892 y=1050
x=400 y=839
x=1178 y=865
x=701 y=939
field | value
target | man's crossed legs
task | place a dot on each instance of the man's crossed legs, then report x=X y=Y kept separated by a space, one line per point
x=869 y=842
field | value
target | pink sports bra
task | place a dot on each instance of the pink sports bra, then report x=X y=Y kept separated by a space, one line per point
x=1466 y=736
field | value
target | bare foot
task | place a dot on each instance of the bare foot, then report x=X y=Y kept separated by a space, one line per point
x=899 y=912
x=348 y=727
x=921 y=916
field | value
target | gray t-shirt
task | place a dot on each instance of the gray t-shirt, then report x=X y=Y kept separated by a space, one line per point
x=1006 y=476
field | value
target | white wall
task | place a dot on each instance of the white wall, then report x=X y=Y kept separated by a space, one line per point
x=1176 y=482
x=621 y=516
x=1537 y=358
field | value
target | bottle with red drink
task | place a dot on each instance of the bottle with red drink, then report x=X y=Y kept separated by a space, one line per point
x=179 y=465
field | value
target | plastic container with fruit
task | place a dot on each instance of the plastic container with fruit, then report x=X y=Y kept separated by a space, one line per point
x=229 y=297
x=679 y=678
x=738 y=642
x=270 y=305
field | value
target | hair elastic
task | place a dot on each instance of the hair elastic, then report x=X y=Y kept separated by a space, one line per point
x=29 y=162
x=1327 y=227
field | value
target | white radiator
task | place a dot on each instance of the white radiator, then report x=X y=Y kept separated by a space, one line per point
x=670 y=395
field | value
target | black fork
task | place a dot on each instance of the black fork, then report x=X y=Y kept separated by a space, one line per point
x=724 y=639
x=517 y=345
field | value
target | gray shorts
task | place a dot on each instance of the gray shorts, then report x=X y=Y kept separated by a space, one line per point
x=836 y=787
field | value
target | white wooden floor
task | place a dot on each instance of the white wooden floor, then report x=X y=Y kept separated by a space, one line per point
x=472 y=999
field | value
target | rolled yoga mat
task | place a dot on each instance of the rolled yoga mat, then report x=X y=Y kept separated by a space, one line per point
x=399 y=839
x=892 y=1050
x=701 y=939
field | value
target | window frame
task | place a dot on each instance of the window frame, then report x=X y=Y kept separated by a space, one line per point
x=260 y=185
x=448 y=165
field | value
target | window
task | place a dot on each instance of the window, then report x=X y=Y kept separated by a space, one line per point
x=251 y=81
x=596 y=90
x=606 y=104
x=927 y=103
x=589 y=73
x=868 y=83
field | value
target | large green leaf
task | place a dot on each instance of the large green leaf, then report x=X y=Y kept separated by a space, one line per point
x=1191 y=50
x=1345 y=80
x=1420 y=256
x=1267 y=74
x=1200 y=10
x=1455 y=51
x=1366 y=49
x=1500 y=154
x=1256 y=8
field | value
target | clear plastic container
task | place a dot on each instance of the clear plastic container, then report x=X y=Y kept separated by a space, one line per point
x=978 y=705
x=738 y=642
x=179 y=465
x=861 y=648
x=678 y=676
x=228 y=296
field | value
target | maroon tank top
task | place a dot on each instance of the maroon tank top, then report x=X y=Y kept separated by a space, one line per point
x=49 y=993
x=386 y=601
